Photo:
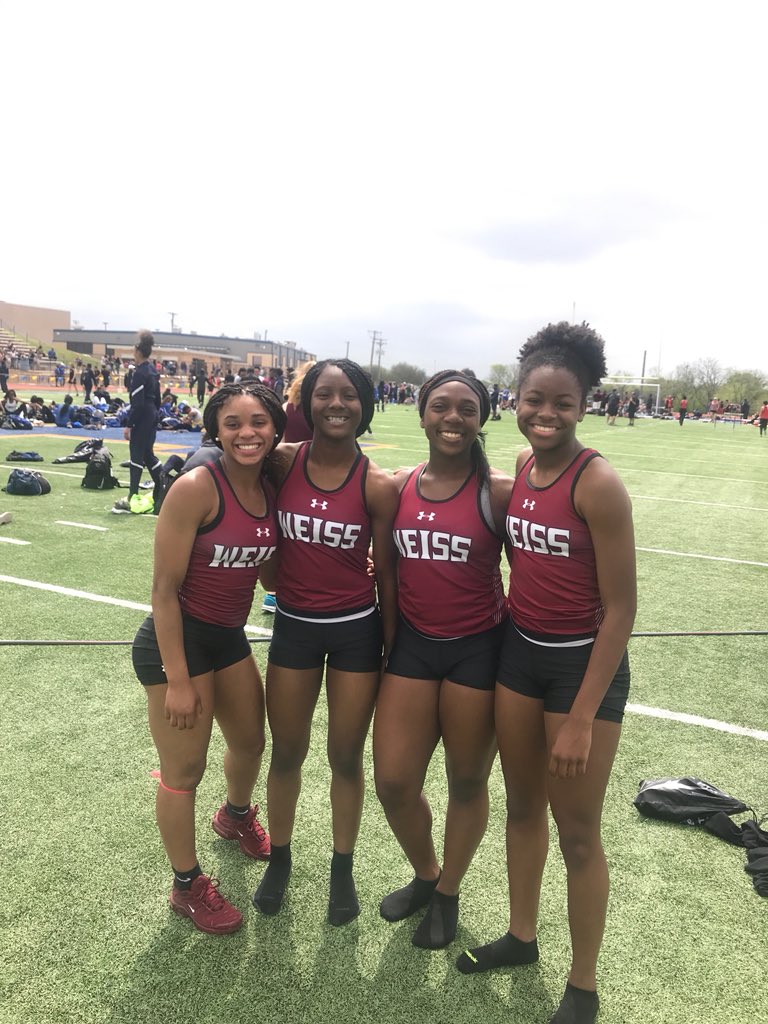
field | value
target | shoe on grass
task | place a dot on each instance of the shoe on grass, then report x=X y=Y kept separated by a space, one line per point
x=6 y=517
x=248 y=831
x=121 y=507
x=206 y=907
x=270 y=604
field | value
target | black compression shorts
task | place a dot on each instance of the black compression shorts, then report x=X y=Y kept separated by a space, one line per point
x=467 y=660
x=354 y=645
x=554 y=675
x=208 y=648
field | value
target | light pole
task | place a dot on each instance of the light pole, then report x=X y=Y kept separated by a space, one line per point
x=172 y=315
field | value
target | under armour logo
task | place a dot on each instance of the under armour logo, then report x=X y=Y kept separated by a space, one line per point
x=262 y=533
x=529 y=503
x=426 y=515
x=318 y=504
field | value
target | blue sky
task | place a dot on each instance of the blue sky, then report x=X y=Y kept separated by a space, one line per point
x=451 y=175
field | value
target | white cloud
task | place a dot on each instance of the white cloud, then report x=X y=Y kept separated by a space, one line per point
x=453 y=176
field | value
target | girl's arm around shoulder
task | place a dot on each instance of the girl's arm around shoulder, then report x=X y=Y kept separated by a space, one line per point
x=382 y=496
x=400 y=477
x=281 y=460
x=501 y=492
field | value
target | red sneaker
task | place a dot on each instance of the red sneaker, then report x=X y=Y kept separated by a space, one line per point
x=253 y=839
x=207 y=908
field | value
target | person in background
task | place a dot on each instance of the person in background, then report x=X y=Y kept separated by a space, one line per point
x=141 y=429
x=683 y=410
x=762 y=418
x=633 y=404
x=65 y=413
x=15 y=410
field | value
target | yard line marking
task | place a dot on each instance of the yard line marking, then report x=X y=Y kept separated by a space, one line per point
x=688 y=476
x=48 y=472
x=710 y=558
x=707 y=723
x=83 y=526
x=13 y=540
x=710 y=504
x=100 y=598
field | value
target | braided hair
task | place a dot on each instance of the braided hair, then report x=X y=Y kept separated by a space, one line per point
x=477 y=452
x=361 y=381
x=574 y=347
x=255 y=389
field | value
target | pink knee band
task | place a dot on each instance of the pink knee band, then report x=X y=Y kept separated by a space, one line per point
x=177 y=792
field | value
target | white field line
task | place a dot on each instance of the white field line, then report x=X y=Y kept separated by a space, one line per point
x=689 y=476
x=82 y=526
x=100 y=598
x=14 y=540
x=690 y=501
x=706 y=723
x=637 y=709
x=709 y=558
x=45 y=471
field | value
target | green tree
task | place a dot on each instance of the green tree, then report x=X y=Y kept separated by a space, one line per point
x=503 y=374
x=405 y=372
x=749 y=384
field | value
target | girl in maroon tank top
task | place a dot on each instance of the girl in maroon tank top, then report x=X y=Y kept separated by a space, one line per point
x=563 y=676
x=440 y=676
x=331 y=501
x=214 y=531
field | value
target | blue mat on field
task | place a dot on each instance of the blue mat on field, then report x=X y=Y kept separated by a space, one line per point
x=189 y=440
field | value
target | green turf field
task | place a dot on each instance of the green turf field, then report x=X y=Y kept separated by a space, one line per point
x=86 y=932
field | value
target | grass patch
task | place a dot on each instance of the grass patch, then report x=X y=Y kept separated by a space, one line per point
x=87 y=936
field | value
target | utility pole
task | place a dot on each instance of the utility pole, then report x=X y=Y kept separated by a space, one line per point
x=172 y=315
x=381 y=345
x=106 y=325
x=347 y=356
x=375 y=337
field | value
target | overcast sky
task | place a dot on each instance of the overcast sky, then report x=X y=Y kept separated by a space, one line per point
x=454 y=175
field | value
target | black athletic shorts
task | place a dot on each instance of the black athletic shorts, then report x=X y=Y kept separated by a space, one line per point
x=208 y=648
x=354 y=645
x=554 y=675
x=467 y=660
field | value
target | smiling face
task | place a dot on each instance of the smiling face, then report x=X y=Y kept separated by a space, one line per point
x=336 y=407
x=550 y=405
x=246 y=431
x=451 y=418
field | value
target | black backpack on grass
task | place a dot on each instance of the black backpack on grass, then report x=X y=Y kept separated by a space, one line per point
x=98 y=472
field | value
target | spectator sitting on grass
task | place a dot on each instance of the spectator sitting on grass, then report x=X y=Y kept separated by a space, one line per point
x=15 y=410
x=191 y=418
x=65 y=413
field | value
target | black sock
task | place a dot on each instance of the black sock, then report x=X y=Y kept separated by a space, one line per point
x=268 y=898
x=184 y=879
x=343 y=905
x=578 y=1006
x=406 y=901
x=237 y=812
x=508 y=951
x=438 y=926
